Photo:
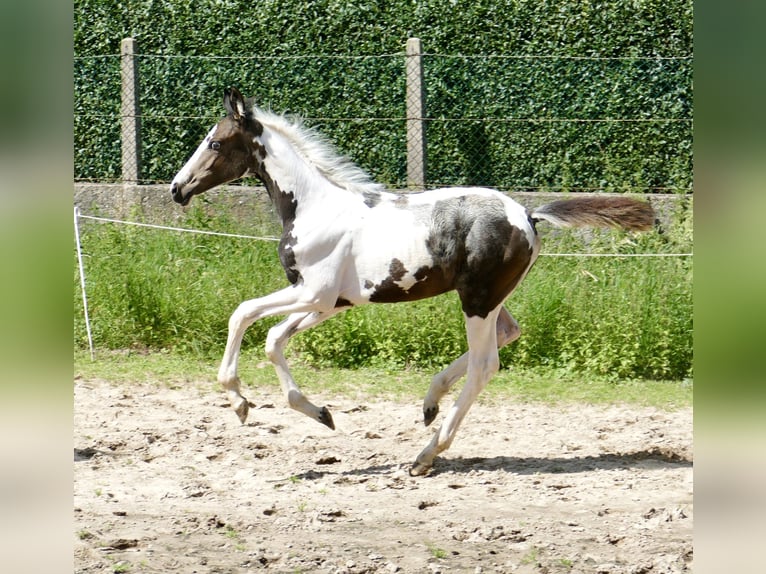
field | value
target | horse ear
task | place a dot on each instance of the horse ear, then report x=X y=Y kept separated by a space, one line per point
x=234 y=103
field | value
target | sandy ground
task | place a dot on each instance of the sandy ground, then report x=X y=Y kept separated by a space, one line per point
x=167 y=480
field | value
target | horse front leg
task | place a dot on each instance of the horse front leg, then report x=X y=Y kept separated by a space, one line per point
x=483 y=363
x=282 y=302
x=276 y=341
x=507 y=329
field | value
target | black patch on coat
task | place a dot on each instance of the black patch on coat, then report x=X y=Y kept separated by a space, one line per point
x=430 y=282
x=287 y=257
x=286 y=206
x=480 y=252
x=387 y=291
x=490 y=277
x=474 y=249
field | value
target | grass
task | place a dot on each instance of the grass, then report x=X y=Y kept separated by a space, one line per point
x=548 y=386
x=599 y=317
x=531 y=557
x=437 y=552
x=83 y=534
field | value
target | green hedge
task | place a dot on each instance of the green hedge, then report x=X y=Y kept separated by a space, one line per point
x=263 y=44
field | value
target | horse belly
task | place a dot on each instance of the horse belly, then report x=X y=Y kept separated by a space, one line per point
x=392 y=263
x=401 y=283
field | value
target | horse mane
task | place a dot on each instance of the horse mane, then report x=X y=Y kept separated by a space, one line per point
x=319 y=152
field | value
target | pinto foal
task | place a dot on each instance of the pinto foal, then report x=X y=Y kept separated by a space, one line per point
x=347 y=242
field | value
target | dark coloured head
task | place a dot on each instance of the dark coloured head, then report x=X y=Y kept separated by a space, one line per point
x=224 y=155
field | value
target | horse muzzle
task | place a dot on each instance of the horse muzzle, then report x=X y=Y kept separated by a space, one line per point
x=176 y=191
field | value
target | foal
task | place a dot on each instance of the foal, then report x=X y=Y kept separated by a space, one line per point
x=347 y=242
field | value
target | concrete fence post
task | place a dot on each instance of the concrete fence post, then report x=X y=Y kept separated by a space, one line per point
x=130 y=114
x=416 y=133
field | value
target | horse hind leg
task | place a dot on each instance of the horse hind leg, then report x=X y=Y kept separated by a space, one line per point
x=483 y=363
x=507 y=330
x=276 y=340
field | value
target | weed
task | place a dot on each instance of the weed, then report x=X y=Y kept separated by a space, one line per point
x=437 y=552
x=531 y=557
x=231 y=532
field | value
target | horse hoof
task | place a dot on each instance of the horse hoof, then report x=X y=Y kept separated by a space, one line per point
x=326 y=418
x=242 y=410
x=430 y=414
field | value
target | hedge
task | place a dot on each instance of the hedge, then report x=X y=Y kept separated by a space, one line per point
x=489 y=64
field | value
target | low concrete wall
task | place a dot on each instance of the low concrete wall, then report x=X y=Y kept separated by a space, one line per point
x=154 y=204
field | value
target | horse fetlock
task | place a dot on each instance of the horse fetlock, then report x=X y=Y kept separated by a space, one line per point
x=297 y=401
x=229 y=381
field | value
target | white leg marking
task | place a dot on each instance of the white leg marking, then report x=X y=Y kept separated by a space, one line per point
x=288 y=300
x=483 y=362
x=276 y=341
x=507 y=332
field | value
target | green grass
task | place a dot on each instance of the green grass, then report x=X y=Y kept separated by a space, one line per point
x=521 y=385
x=592 y=318
x=436 y=552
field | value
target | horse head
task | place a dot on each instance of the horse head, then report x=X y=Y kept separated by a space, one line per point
x=226 y=153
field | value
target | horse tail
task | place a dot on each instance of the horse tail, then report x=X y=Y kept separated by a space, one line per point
x=594 y=211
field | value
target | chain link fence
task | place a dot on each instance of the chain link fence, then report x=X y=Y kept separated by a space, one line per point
x=412 y=119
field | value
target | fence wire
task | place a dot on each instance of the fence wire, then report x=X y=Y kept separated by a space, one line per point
x=79 y=216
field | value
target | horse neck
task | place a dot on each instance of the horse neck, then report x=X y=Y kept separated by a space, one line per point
x=292 y=181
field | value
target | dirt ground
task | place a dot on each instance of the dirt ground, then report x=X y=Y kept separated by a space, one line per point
x=167 y=480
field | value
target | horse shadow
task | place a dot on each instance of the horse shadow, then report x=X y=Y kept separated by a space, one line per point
x=654 y=457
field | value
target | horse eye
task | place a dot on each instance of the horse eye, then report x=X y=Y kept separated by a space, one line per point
x=214 y=145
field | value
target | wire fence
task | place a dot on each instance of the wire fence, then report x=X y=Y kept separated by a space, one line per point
x=412 y=119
